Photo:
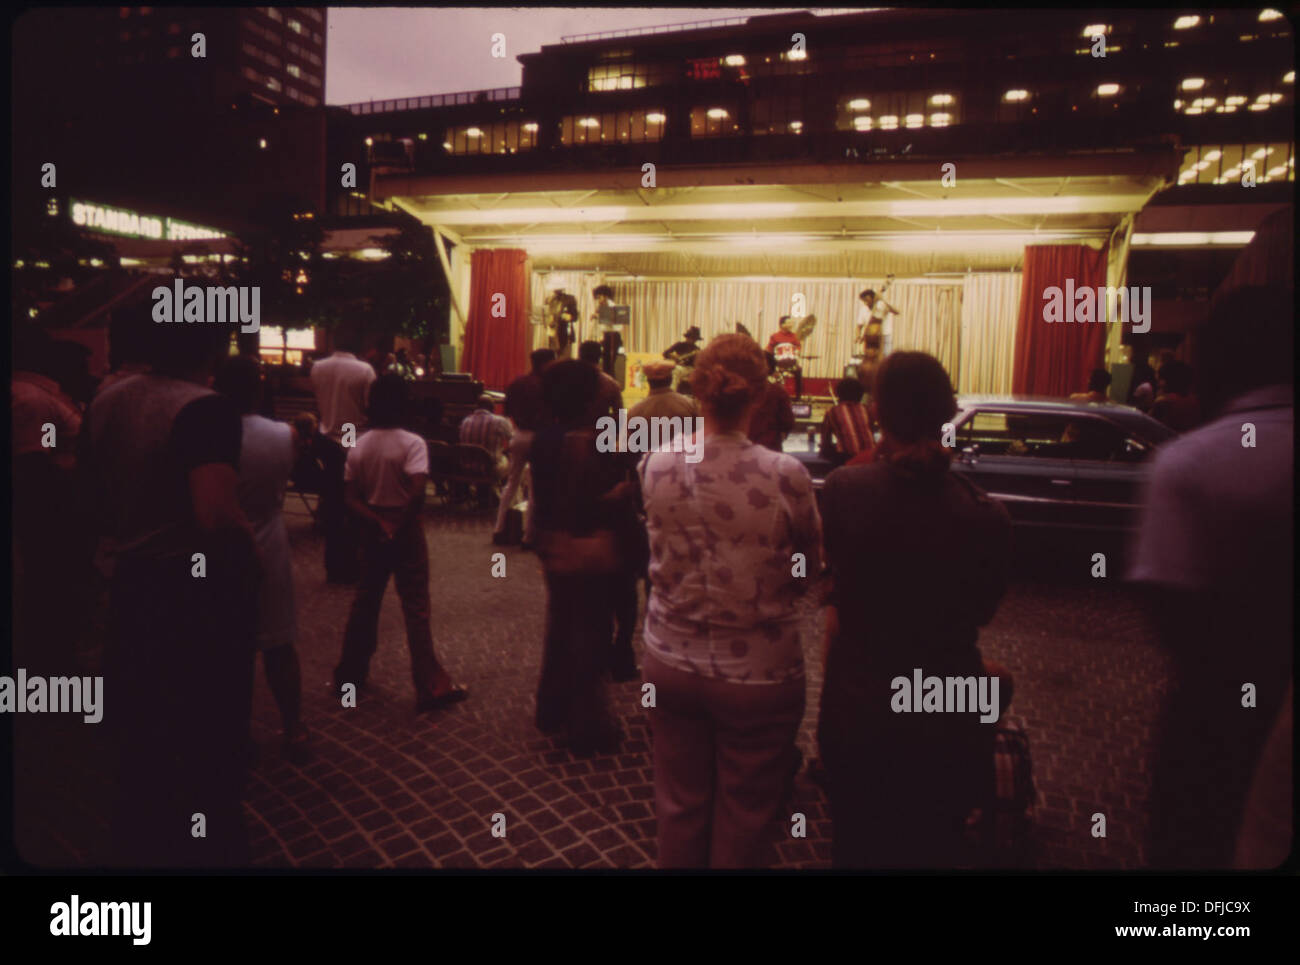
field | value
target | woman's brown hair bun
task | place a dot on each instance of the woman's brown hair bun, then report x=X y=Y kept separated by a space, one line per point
x=729 y=374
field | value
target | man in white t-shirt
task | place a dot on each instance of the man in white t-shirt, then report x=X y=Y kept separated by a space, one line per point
x=341 y=383
x=875 y=327
x=385 y=477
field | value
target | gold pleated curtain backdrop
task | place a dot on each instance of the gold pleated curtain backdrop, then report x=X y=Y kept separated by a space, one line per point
x=934 y=317
x=990 y=307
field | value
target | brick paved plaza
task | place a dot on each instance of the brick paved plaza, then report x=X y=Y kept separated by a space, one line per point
x=390 y=788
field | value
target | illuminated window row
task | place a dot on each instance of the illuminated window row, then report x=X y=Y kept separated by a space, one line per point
x=1228 y=163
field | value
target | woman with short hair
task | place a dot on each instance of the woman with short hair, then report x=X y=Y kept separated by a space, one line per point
x=919 y=558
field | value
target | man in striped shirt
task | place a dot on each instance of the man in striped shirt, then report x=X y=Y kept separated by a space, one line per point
x=484 y=428
x=847 y=423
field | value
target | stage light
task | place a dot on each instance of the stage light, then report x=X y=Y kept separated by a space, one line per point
x=1183 y=23
x=889 y=122
x=1270 y=14
x=1107 y=90
x=1193 y=83
x=859 y=104
x=914 y=120
x=940 y=120
x=473 y=132
x=1288 y=77
x=530 y=127
x=862 y=123
x=1093 y=29
x=1235 y=100
x=941 y=100
x=716 y=113
x=656 y=118
x=734 y=60
x=1213 y=156
x=1016 y=95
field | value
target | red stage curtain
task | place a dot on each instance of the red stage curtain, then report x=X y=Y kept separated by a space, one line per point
x=496 y=349
x=1056 y=358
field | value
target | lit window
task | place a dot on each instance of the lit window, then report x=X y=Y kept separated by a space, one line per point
x=940 y=120
x=941 y=100
x=1269 y=14
x=859 y=104
x=1016 y=95
x=889 y=122
x=1185 y=23
x=1107 y=90
x=862 y=123
x=1193 y=83
x=914 y=120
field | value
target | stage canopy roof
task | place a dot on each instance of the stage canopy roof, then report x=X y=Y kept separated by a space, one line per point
x=795 y=220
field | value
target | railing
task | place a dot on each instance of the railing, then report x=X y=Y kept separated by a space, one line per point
x=643 y=31
x=435 y=100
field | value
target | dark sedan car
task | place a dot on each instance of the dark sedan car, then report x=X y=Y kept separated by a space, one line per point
x=1054 y=464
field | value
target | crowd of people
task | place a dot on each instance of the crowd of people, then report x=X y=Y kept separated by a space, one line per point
x=185 y=485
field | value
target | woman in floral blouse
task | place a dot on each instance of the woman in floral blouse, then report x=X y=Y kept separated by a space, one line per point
x=735 y=539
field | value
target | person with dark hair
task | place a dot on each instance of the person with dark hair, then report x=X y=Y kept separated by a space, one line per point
x=526 y=408
x=386 y=475
x=266 y=458
x=1214 y=554
x=340 y=383
x=937 y=552
x=846 y=429
x=609 y=396
x=1176 y=404
x=611 y=334
x=722 y=638
x=773 y=415
x=584 y=517
x=1098 y=383
x=875 y=329
x=164 y=452
x=51 y=551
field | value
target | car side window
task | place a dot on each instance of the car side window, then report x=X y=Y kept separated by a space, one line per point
x=1004 y=433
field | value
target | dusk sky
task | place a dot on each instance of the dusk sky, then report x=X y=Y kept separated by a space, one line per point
x=376 y=53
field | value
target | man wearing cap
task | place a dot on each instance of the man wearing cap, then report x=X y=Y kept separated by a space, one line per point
x=682 y=355
x=662 y=400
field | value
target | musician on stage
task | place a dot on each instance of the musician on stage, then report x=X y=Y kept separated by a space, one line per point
x=785 y=345
x=562 y=319
x=875 y=327
x=682 y=355
x=611 y=334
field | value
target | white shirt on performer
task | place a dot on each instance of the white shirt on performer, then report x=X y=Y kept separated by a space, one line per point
x=883 y=312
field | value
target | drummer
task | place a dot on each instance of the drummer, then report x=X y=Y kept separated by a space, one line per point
x=785 y=345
